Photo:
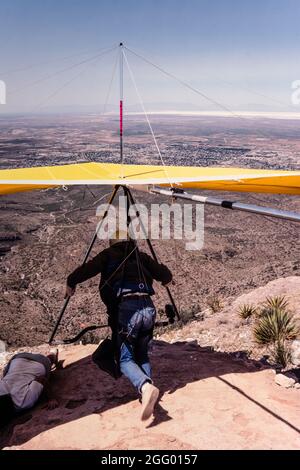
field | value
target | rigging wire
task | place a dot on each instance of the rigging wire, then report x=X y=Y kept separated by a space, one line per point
x=110 y=84
x=185 y=84
x=175 y=250
x=88 y=208
x=64 y=86
x=147 y=118
x=61 y=59
x=195 y=90
x=109 y=89
x=254 y=92
x=68 y=82
x=65 y=69
x=117 y=269
x=90 y=191
x=104 y=196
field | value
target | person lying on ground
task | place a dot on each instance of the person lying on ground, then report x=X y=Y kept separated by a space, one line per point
x=24 y=379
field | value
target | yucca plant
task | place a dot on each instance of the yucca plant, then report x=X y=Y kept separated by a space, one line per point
x=215 y=304
x=277 y=302
x=282 y=354
x=246 y=311
x=275 y=327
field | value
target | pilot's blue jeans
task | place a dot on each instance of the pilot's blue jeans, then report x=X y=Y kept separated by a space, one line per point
x=136 y=318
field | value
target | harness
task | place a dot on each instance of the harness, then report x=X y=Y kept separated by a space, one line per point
x=123 y=287
x=135 y=290
x=113 y=293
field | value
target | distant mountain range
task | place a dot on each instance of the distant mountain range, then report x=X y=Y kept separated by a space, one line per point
x=152 y=107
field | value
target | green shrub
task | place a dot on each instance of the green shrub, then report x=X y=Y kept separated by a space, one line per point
x=247 y=311
x=282 y=355
x=275 y=327
x=279 y=302
x=215 y=304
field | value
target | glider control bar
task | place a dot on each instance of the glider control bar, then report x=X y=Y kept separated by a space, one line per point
x=178 y=193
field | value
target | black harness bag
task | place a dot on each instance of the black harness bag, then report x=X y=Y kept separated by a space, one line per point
x=106 y=358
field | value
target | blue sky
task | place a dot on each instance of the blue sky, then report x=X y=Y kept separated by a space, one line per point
x=251 y=44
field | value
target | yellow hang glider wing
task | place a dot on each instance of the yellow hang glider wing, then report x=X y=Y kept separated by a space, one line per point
x=213 y=178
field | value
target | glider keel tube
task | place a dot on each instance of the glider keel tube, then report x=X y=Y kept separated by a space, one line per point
x=266 y=211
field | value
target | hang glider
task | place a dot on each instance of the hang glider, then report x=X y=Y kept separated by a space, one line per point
x=171 y=181
x=204 y=178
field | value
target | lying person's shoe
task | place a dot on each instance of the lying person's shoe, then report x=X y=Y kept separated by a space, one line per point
x=149 y=398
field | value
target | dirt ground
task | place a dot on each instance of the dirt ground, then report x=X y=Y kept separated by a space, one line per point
x=208 y=400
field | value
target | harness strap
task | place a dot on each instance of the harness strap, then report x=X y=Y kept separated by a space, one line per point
x=83 y=332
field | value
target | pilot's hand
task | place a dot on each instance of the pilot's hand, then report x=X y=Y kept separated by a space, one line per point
x=52 y=404
x=70 y=291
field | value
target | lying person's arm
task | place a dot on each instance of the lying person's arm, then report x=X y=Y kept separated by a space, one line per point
x=52 y=403
x=34 y=392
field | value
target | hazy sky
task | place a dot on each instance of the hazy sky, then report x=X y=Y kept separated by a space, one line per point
x=250 y=44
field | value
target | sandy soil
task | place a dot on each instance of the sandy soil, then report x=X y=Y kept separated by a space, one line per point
x=208 y=401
